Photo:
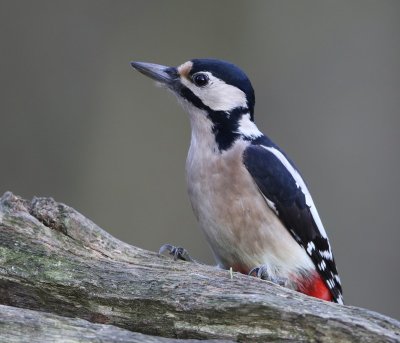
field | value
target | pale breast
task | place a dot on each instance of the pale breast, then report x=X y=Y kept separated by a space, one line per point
x=241 y=229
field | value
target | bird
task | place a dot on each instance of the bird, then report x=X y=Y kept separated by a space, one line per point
x=248 y=196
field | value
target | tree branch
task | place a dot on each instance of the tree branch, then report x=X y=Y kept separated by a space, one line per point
x=55 y=260
x=22 y=325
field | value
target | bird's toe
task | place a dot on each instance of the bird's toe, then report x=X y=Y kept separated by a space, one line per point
x=178 y=253
x=263 y=273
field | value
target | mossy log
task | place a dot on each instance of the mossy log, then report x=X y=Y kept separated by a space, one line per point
x=62 y=278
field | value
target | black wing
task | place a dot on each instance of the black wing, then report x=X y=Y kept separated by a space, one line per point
x=281 y=184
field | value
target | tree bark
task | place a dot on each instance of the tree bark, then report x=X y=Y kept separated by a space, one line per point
x=55 y=264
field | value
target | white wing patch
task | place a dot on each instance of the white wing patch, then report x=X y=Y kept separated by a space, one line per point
x=300 y=184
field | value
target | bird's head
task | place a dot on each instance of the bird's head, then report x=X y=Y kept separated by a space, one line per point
x=216 y=93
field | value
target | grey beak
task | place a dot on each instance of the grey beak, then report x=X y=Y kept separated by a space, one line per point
x=160 y=73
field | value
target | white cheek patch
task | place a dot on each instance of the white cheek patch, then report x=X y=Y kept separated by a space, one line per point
x=218 y=95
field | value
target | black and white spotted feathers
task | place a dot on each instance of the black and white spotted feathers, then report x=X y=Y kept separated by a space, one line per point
x=287 y=195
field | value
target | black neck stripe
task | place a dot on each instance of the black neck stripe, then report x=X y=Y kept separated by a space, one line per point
x=225 y=123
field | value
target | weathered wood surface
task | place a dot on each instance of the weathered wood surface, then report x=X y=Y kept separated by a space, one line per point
x=22 y=325
x=54 y=260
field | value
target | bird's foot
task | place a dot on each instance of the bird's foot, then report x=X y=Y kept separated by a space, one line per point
x=263 y=273
x=178 y=253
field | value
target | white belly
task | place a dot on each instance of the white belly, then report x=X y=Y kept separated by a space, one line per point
x=241 y=229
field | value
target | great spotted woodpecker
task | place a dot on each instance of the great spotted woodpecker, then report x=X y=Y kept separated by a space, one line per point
x=248 y=196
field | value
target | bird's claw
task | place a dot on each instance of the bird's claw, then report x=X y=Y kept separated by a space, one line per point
x=178 y=253
x=263 y=273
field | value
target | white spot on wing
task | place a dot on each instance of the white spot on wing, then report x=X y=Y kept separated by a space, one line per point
x=337 y=279
x=330 y=283
x=326 y=254
x=322 y=265
x=310 y=247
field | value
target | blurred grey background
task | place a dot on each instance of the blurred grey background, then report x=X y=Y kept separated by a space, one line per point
x=78 y=124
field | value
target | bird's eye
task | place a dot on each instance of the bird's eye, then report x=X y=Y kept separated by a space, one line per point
x=200 y=80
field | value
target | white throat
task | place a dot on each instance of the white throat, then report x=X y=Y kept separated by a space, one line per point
x=202 y=136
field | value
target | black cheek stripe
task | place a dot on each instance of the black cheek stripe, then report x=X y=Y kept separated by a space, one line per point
x=225 y=124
